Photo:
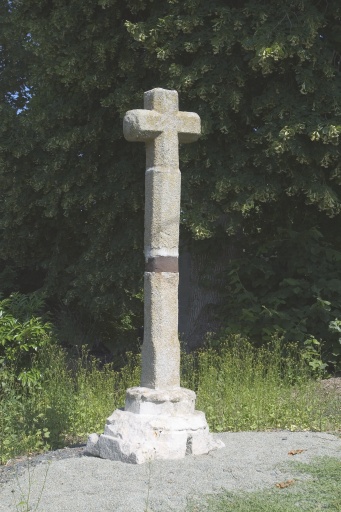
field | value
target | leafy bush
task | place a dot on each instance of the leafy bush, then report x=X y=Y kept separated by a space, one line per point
x=21 y=336
x=286 y=282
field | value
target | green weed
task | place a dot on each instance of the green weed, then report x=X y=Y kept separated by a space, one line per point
x=25 y=504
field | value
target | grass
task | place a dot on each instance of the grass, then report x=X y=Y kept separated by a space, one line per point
x=239 y=388
x=243 y=388
x=71 y=399
x=320 y=491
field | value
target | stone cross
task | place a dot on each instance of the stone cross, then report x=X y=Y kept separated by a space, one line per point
x=161 y=126
x=159 y=420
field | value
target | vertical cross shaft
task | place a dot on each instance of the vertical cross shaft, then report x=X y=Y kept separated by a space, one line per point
x=161 y=126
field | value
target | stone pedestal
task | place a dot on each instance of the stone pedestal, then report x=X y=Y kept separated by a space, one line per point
x=155 y=424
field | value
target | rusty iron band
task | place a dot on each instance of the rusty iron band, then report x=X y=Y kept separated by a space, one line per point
x=162 y=264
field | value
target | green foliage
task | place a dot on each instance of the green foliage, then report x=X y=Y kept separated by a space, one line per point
x=73 y=399
x=241 y=387
x=264 y=77
x=289 y=284
x=335 y=327
x=23 y=306
x=21 y=428
x=312 y=354
x=21 y=337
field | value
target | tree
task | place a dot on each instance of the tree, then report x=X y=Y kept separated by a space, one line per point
x=265 y=79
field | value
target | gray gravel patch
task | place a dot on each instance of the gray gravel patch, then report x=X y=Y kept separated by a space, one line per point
x=78 y=483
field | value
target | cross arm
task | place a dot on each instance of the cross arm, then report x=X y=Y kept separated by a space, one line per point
x=141 y=125
x=189 y=127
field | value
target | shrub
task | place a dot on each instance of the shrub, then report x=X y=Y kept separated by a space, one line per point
x=21 y=336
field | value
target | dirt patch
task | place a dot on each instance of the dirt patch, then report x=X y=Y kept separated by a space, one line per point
x=332 y=384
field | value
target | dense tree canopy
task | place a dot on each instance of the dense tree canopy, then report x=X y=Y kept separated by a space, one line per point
x=264 y=179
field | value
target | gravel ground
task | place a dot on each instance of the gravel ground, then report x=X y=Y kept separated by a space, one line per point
x=79 y=483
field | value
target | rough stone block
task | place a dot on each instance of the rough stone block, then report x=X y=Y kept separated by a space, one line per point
x=174 y=431
x=162 y=212
x=92 y=444
x=161 y=348
x=156 y=402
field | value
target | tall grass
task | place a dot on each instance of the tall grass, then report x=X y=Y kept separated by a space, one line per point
x=239 y=387
x=72 y=399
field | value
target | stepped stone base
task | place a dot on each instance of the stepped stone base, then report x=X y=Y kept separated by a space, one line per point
x=156 y=424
